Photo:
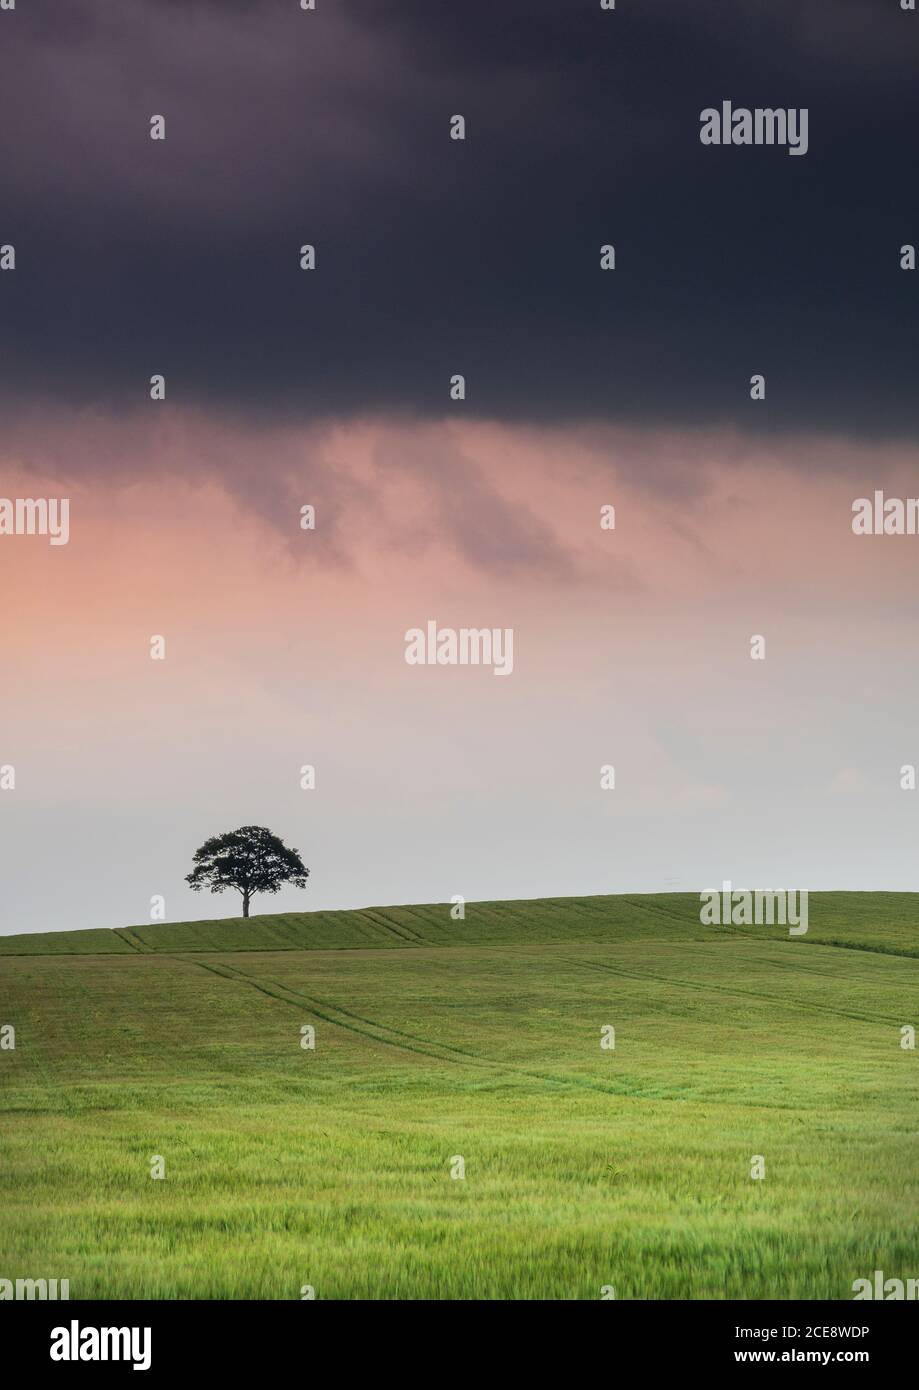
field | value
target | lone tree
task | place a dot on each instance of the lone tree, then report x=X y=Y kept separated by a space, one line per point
x=250 y=859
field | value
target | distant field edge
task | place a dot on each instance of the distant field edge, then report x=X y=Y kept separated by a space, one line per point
x=882 y=922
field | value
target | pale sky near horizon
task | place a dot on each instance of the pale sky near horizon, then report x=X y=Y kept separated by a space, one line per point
x=631 y=648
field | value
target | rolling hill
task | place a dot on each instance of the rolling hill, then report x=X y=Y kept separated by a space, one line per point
x=584 y=1167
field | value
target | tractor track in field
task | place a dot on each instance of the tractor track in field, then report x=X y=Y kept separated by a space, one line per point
x=661 y=912
x=817 y=970
x=696 y=985
x=133 y=940
x=401 y=933
x=772 y=959
x=868 y=947
x=398 y=1038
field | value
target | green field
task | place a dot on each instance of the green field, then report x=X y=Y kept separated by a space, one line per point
x=584 y=1167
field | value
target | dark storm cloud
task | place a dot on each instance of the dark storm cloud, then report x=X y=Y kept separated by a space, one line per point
x=435 y=257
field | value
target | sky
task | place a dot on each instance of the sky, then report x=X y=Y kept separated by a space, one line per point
x=331 y=388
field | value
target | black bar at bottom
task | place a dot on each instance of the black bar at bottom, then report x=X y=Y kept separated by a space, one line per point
x=441 y=1341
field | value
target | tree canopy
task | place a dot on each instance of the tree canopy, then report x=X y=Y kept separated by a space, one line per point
x=249 y=860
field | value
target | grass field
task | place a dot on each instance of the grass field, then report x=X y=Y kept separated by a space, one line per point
x=584 y=1167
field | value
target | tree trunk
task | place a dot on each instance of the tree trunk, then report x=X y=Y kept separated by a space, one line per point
x=245 y=902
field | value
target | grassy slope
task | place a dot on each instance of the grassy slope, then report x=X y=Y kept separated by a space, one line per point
x=583 y=1167
x=868 y=921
